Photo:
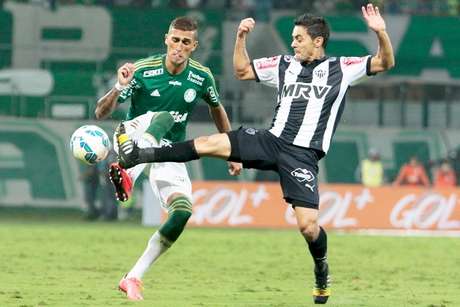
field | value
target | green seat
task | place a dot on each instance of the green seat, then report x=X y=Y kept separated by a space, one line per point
x=342 y=161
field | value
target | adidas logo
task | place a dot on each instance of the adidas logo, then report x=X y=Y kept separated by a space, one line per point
x=155 y=93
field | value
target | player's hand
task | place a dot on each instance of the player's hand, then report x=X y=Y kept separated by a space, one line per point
x=246 y=26
x=125 y=73
x=234 y=168
x=373 y=18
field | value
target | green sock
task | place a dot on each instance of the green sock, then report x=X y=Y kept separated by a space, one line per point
x=180 y=211
x=161 y=123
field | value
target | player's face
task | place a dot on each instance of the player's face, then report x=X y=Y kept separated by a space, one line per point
x=180 y=45
x=302 y=43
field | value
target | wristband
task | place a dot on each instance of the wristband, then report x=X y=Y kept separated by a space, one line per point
x=120 y=87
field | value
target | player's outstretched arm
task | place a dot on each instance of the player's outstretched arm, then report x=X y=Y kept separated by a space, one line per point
x=108 y=103
x=241 y=62
x=384 y=59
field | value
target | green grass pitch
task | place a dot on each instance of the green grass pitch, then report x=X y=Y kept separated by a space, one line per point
x=67 y=262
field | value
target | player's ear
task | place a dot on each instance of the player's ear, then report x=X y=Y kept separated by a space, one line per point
x=195 y=45
x=318 y=41
x=166 y=38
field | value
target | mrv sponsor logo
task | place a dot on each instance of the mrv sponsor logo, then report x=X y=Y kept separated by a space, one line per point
x=305 y=90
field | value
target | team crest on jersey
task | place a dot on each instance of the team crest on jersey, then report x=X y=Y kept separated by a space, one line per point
x=152 y=73
x=320 y=73
x=305 y=176
x=287 y=58
x=189 y=95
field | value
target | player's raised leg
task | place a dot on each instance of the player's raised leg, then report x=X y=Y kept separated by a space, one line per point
x=150 y=128
x=216 y=145
x=315 y=235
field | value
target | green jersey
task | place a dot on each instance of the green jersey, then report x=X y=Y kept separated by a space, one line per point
x=153 y=88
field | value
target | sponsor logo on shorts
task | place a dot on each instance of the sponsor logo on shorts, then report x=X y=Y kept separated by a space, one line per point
x=251 y=131
x=153 y=73
x=189 y=95
x=305 y=176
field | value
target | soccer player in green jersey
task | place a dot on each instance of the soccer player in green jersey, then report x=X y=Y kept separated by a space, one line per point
x=164 y=90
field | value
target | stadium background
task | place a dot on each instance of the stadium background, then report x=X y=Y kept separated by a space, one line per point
x=57 y=58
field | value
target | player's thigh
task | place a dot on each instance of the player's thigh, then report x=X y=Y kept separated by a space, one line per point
x=254 y=148
x=298 y=178
x=168 y=179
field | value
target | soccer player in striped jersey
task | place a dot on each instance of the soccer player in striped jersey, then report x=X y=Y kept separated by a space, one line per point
x=164 y=89
x=311 y=95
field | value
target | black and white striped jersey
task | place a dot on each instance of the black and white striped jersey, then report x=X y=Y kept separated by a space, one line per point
x=311 y=96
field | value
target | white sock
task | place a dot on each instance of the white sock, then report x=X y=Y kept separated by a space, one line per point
x=157 y=245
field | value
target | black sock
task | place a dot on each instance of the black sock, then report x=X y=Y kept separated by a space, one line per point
x=176 y=152
x=318 y=248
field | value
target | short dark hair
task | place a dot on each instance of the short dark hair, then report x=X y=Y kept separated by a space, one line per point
x=184 y=23
x=316 y=26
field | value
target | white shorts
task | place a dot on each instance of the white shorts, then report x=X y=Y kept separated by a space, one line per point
x=165 y=178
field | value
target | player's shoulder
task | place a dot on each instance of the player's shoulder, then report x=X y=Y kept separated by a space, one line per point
x=151 y=62
x=200 y=69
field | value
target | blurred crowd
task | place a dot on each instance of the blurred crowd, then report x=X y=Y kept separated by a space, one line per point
x=444 y=172
x=263 y=7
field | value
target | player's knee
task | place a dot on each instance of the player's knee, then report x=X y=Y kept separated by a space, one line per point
x=206 y=144
x=309 y=230
x=216 y=145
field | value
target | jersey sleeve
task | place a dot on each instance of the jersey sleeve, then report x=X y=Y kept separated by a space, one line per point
x=356 y=69
x=267 y=70
x=129 y=91
x=211 y=95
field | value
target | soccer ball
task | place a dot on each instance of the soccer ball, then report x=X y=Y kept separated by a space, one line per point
x=90 y=144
